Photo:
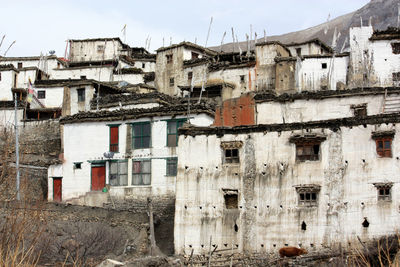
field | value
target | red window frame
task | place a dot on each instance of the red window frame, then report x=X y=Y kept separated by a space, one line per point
x=384 y=146
x=114 y=136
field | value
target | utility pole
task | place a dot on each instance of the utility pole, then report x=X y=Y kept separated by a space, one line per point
x=16 y=146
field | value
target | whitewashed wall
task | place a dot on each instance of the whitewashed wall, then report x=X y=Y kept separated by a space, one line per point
x=7 y=117
x=87 y=50
x=307 y=49
x=268 y=216
x=103 y=73
x=23 y=77
x=384 y=61
x=54 y=97
x=130 y=78
x=304 y=110
x=81 y=106
x=6 y=83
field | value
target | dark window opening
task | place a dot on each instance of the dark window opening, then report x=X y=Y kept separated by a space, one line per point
x=119 y=173
x=242 y=79
x=307 y=151
x=0 y=76
x=396 y=48
x=77 y=165
x=360 y=111
x=365 y=223
x=143 y=65
x=209 y=92
x=81 y=94
x=172 y=166
x=303 y=226
x=141 y=135
x=384 y=191
x=114 y=138
x=231 y=199
x=190 y=76
x=324 y=65
x=41 y=94
x=396 y=78
x=83 y=77
x=195 y=55
x=236 y=228
x=19 y=65
x=172 y=132
x=384 y=146
x=141 y=172
x=15 y=80
x=169 y=59
x=171 y=82
x=308 y=198
x=232 y=155
x=298 y=51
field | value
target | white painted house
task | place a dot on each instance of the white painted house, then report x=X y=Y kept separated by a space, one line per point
x=131 y=152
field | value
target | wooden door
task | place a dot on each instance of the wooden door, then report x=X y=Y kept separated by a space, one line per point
x=57 y=189
x=98 y=178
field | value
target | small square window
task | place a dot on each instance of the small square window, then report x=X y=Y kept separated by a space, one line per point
x=77 y=165
x=307 y=151
x=195 y=55
x=171 y=82
x=232 y=155
x=41 y=94
x=360 y=111
x=324 y=65
x=231 y=198
x=308 y=194
x=242 y=78
x=384 y=191
x=19 y=65
x=384 y=146
x=396 y=48
x=81 y=94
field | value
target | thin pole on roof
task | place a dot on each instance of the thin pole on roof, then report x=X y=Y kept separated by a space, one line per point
x=251 y=32
x=2 y=39
x=222 y=41
x=255 y=38
x=233 y=42
x=398 y=15
x=265 y=36
x=124 y=32
x=16 y=145
x=5 y=53
x=163 y=42
x=248 y=44
x=209 y=29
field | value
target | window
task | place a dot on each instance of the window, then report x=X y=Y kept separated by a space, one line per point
x=384 y=191
x=114 y=138
x=141 y=135
x=230 y=198
x=100 y=48
x=396 y=78
x=232 y=155
x=81 y=94
x=171 y=82
x=172 y=131
x=77 y=165
x=143 y=65
x=119 y=173
x=359 y=111
x=0 y=76
x=195 y=55
x=308 y=194
x=324 y=65
x=41 y=94
x=19 y=65
x=190 y=75
x=307 y=151
x=384 y=146
x=172 y=166
x=83 y=77
x=169 y=59
x=396 y=48
x=298 y=51
x=242 y=80
x=231 y=151
x=141 y=172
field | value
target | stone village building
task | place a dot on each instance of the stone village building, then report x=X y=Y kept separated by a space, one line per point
x=301 y=149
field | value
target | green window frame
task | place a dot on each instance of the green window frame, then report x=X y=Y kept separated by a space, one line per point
x=172 y=131
x=141 y=135
x=172 y=166
x=141 y=172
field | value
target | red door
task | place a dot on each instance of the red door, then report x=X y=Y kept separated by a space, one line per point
x=98 y=178
x=57 y=190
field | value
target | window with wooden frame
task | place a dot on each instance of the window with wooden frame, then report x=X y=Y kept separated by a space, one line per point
x=308 y=147
x=172 y=166
x=231 y=151
x=171 y=82
x=172 y=131
x=119 y=173
x=169 y=59
x=308 y=194
x=81 y=94
x=395 y=48
x=19 y=65
x=383 y=141
x=384 y=191
x=359 y=111
x=141 y=172
x=114 y=137
x=141 y=135
x=195 y=55
x=41 y=94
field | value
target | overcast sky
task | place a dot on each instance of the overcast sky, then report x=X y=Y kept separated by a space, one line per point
x=44 y=25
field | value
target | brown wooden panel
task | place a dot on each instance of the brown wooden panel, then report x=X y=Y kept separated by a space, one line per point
x=98 y=178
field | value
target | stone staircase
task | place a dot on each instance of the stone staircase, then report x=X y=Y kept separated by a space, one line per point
x=391 y=104
x=92 y=198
